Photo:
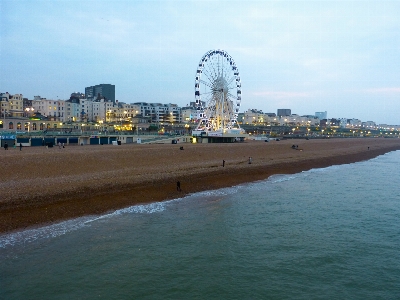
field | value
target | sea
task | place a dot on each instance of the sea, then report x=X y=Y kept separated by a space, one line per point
x=330 y=233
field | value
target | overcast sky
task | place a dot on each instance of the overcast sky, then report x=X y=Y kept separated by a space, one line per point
x=342 y=57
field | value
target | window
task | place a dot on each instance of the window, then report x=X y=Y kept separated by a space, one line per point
x=11 y=125
x=19 y=126
x=41 y=126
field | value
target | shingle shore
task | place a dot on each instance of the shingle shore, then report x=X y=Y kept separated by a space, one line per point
x=40 y=186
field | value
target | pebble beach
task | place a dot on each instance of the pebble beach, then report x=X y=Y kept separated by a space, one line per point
x=42 y=185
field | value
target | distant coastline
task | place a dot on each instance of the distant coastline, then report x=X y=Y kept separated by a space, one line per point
x=46 y=185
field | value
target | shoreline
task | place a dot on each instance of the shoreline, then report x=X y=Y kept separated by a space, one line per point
x=47 y=186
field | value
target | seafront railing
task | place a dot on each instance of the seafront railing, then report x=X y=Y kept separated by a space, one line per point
x=83 y=133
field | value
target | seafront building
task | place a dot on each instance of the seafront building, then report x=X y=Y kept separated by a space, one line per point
x=257 y=117
x=84 y=111
x=96 y=92
x=160 y=113
x=51 y=109
x=321 y=115
x=11 y=105
x=284 y=112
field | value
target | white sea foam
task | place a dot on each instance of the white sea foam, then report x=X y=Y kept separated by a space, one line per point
x=30 y=235
x=55 y=230
x=138 y=209
x=218 y=192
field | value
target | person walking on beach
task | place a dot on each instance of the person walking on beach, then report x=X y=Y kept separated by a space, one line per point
x=20 y=146
x=178 y=186
x=223 y=163
x=250 y=160
x=5 y=146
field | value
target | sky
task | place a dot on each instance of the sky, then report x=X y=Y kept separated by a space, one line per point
x=342 y=57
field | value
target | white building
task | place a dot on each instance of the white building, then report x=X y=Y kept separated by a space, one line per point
x=253 y=117
x=353 y=123
x=160 y=113
x=370 y=125
x=99 y=110
x=53 y=109
x=72 y=111
x=189 y=114
x=12 y=105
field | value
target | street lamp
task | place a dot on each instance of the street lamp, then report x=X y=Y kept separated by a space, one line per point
x=28 y=110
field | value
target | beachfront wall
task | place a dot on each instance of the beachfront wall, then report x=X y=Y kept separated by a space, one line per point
x=50 y=140
x=104 y=140
x=45 y=141
x=25 y=142
x=37 y=142
x=94 y=141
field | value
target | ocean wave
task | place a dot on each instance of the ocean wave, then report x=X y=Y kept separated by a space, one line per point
x=30 y=235
x=58 y=229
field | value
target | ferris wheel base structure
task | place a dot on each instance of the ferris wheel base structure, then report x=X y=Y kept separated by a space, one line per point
x=219 y=136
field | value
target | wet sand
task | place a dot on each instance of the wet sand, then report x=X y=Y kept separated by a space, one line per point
x=40 y=186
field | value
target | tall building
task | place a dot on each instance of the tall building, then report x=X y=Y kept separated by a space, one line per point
x=283 y=112
x=322 y=115
x=97 y=92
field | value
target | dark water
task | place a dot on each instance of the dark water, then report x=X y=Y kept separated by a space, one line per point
x=331 y=233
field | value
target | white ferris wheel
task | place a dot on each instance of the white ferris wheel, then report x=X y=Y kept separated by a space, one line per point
x=218 y=92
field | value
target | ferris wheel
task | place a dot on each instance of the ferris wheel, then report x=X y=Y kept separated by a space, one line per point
x=217 y=91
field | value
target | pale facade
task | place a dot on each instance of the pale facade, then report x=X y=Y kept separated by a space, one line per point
x=189 y=114
x=254 y=116
x=353 y=123
x=160 y=113
x=100 y=109
x=12 y=105
x=126 y=111
x=52 y=109
x=72 y=113
x=371 y=125
x=86 y=109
